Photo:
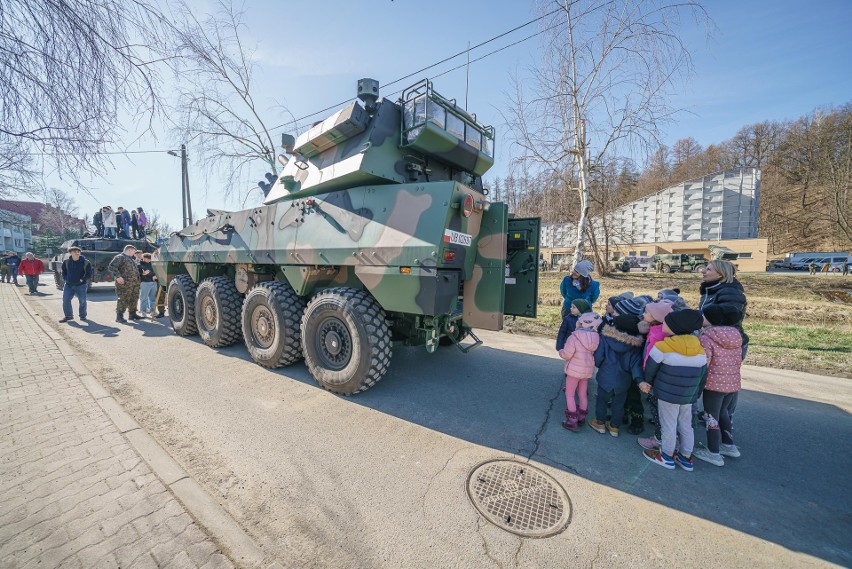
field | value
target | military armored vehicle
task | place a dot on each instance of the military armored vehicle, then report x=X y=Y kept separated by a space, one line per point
x=377 y=232
x=679 y=262
x=99 y=251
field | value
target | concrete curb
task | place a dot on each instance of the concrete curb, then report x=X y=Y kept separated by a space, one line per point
x=203 y=507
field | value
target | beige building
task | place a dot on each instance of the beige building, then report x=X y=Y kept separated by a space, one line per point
x=751 y=253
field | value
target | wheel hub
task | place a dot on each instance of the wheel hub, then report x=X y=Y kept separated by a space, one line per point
x=334 y=344
x=208 y=312
x=263 y=326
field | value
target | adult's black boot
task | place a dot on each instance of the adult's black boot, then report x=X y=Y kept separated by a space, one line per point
x=120 y=318
x=134 y=316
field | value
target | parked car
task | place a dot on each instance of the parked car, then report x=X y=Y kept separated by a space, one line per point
x=632 y=262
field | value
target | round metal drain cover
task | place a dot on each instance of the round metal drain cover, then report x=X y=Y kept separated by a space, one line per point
x=519 y=498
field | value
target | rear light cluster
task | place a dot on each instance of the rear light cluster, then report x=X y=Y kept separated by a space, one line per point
x=449 y=255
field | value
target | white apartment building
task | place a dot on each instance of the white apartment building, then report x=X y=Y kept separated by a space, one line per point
x=16 y=233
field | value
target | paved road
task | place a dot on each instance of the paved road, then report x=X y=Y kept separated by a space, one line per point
x=378 y=480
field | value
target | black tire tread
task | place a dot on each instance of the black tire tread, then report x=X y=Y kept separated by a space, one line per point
x=230 y=303
x=378 y=331
x=292 y=309
x=188 y=287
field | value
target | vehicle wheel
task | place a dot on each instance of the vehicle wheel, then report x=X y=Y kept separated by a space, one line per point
x=218 y=305
x=271 y=322
x=644 y=269
x=181 y=303
x=666 y=268
x=698 y=268
x=346 y=340
x=60 y=282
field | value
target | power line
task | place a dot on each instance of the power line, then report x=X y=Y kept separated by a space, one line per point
x=446 y=59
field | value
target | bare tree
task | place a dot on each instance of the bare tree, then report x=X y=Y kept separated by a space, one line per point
x=61 y=212
x=68 y=70
x=216 y=109
x=17 y=172
x=606 y=72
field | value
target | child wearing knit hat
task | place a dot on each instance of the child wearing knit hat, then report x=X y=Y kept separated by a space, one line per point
x=579 y=356
x=569 y=322
x=676 y=369
x=722 y=343
x=654 y=315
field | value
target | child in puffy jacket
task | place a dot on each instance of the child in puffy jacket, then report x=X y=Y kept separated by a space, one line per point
x=653 y=317
x=619 y=362
x=676 y=370
x=723 y=343
x=579 y=356
x=569 y=323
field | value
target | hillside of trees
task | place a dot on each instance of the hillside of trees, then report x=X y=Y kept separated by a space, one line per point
x=805 y=197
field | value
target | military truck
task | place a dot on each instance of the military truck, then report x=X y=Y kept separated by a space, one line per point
x=377 y=232
x=679 y=262
x=99 y=251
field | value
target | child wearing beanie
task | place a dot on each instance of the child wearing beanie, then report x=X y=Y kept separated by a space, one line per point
x=619 y=361
x=723 y=343
x=676 y=369
x=579 y=356
x=655 y=313
x=569 y=322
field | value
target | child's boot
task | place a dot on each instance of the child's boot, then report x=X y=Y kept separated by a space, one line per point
x=637 y=425
x=581 y=419
x=571 y=423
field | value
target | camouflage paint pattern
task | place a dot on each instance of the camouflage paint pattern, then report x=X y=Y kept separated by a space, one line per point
x=353 y=207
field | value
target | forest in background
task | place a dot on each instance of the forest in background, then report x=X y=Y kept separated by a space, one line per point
x=805 y=198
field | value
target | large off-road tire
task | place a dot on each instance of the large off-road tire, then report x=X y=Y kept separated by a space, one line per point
x=181 y=303
x=666 y=268
x=699 y=268
x=218 y=306
x=346 y=340
x=60 y=282
x=271 y=323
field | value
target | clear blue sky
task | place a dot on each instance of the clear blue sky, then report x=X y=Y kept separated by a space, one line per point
x=767 y=59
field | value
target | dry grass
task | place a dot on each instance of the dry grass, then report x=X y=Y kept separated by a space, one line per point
x=797 y=321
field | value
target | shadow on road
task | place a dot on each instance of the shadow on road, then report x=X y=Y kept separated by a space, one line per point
x=92 y=327
x=789 y=487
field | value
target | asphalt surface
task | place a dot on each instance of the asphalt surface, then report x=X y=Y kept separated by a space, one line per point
x=378 y=479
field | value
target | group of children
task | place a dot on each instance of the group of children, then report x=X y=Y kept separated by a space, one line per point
x=664 y=349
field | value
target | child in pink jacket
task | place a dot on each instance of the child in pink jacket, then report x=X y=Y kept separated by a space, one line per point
x=579 y=356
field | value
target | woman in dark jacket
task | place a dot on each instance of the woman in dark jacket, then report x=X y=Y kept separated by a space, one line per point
x=720 y=287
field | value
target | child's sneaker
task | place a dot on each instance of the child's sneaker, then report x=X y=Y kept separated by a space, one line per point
x=597 y=426
x=729 y=450
x=704 y=454
x=649 y=443
x=612 y=429
x=660 y=458
x=684 y=462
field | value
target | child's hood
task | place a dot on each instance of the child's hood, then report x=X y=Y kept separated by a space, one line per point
x=589 y=339
x=726 y=337
x=685 y=344
x=622 y=341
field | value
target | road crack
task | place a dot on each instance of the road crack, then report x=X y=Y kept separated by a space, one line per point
x=485 y=547
x=543 y=426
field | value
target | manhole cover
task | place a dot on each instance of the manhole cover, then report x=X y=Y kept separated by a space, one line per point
x=519 y=498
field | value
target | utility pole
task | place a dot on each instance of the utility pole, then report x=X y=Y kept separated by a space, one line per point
x=187 y=201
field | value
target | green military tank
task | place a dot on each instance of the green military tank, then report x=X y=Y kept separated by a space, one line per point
x=377 y=232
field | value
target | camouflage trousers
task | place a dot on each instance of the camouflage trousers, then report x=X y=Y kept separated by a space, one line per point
x=128 y=296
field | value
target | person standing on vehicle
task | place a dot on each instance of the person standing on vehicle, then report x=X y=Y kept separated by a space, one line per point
x=126 y=283
x=147 y=287
x=579 y=284
x=31 y=268
x=98 y=221
x=134 y=224
x=143 y=222
x=110 y=222
x=77 y=271
x=123 y=223
x=13 y=261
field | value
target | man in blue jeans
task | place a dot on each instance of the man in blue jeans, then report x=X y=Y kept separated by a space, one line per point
x=77 y=271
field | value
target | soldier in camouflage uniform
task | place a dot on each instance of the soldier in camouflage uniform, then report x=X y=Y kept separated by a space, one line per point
x=126 y=283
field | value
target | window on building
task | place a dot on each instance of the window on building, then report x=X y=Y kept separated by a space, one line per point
x=643 y=253
x=631 y=254
x=19 y=243
x=744 y=256
x=615 y=256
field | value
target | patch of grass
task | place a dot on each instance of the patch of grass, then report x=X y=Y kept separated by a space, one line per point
x=794 y=321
